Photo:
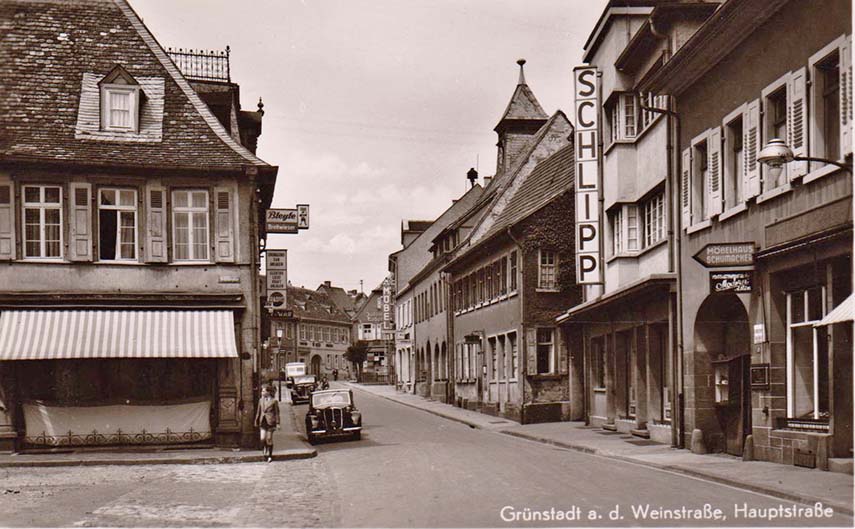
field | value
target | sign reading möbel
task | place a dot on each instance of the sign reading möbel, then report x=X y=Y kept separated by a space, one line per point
x=587 y=180
x=726 y=254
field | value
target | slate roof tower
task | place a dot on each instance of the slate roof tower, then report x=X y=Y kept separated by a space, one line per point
x=522 y=118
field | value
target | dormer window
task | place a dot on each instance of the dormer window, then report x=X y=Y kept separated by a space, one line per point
x=120 y=101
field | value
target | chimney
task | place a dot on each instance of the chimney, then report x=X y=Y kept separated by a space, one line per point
x=328 y=284
x=487 y=180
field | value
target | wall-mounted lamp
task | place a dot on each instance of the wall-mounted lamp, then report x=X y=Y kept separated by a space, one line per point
x=776 y=153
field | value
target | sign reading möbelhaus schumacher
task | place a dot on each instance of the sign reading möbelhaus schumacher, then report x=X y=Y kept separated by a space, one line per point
x=726 y=254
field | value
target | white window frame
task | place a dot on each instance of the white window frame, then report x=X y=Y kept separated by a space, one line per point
x=700 y=184
x=119 y=209
x=770 y=174
x=41 y=206
x=626 y=227
x=816 y=145
x=493 y=344
x=653 y=219
x=791 y=350
x=740 y=113
x=189 y=210
x=546 y=268
x=133 y=92
x=552 y=344
x=620 y=127
x=513 y=268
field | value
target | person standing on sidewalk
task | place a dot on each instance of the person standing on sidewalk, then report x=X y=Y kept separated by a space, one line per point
x=267 y=420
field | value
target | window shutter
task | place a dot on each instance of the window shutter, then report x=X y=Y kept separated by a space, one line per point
x=531 y=351
x=561 y=350
x=7 y=221
x=156 y=224
x=80 y=222
x=685 y=188
x=750 y=148
x=846 y=97
x=225 y=227
x=797 y=123
x=714 y=164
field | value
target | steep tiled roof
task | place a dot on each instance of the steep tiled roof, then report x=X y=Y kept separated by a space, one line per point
x=550 y=178
x=523 y=105
x=339 y=296
x=314 y=305
x=47 y=47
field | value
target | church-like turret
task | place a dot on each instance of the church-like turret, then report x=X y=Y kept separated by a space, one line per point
x=523 y=117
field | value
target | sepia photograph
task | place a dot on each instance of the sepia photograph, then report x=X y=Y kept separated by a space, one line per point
x=426 y=263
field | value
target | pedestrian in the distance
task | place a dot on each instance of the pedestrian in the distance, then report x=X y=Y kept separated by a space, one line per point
x=267 y=420
x=335 y=374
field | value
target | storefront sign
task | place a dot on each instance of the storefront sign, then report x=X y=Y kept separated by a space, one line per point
x=587 y=113
x=281 y=221
x=738 y=282
x=759 y=333
x=303 y=216
x=387 y=304
x=759 y=375
x=277 y=278
x=726 y=254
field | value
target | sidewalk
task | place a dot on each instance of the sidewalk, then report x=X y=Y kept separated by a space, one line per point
x=287 y=444
x=781 y=481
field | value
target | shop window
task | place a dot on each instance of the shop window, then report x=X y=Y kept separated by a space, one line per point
x=117 y=224
x=548 y=270
x=599 y=364
x=42 y=211
x=190 y=225
x=807 y=355
x=494 y=358
x=545 y=351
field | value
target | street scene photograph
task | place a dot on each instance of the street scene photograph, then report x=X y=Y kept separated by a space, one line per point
x=426 y=263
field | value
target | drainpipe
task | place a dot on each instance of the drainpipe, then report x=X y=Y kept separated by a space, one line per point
x=674 y=264
x=521 y=289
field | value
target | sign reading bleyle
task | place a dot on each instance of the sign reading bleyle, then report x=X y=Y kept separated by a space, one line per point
x=277 y=278
x=587 y=169
x=281 y=221
x=737 y=282
x=726 y=254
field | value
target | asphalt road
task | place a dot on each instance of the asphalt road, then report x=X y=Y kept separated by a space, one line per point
x=411 y=469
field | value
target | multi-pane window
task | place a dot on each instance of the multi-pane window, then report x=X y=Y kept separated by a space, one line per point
x=120 y=108
x=302 y=332
x=734 y=162
x=513 y=273
x=654 y=219
x=117 y=224
x=503 y=271
x=190 y=224
x=701 y=184
x=617 y=232
x=828 y=77
x=481 y=287
x=327 y=335
x=775 y=117
x=628 y=103
x=42 y=211
x=632 y=228
x=547 y=276
x=545 y=351
x=807 y=355
x=515 y=360
x=494 y=359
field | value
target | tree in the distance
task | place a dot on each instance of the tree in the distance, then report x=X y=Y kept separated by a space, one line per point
x=356 y=354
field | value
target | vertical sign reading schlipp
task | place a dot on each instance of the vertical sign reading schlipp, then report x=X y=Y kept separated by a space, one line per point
x=586 y=93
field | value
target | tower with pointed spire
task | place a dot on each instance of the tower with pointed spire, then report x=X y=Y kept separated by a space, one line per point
x=523 y=117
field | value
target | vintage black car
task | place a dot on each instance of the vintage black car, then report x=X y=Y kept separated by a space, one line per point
x=302 y=388
x=333 y=414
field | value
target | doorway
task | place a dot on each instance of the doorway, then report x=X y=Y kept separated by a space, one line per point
x=316 y=365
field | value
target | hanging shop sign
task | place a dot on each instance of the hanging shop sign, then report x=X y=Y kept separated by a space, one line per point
x=726 y=254
x=738 y=282
x=281 y=221
x=586 y=92
x=387 y=304
x=277 y=278
x=302 y=216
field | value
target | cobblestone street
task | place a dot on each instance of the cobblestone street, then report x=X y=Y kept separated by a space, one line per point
x=292 y=493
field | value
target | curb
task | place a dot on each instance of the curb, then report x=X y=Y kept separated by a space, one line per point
x=284 y=455
x=844 y=509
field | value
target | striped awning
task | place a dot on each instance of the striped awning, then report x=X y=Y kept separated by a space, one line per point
x=841 y=313
x=53 y=334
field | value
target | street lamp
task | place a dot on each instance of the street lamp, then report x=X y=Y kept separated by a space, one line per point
x=776 y=153
x=279 y=360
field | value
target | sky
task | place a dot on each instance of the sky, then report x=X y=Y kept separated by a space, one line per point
x=374 y=110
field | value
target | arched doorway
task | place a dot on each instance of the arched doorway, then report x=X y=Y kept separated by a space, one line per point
x=316 y=365
x=723 y=347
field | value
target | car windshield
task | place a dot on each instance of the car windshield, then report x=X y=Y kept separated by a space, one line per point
x=306 y=379
x=320 y=400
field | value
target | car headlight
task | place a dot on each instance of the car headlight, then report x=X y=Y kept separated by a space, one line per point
x=356 y=416
x=314 y=421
